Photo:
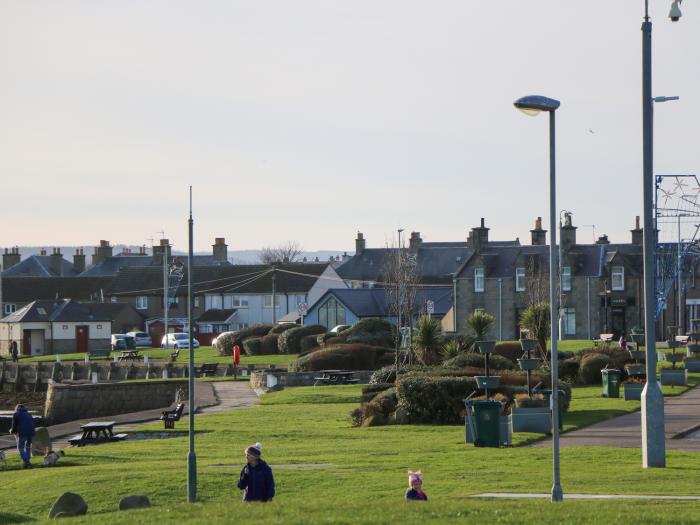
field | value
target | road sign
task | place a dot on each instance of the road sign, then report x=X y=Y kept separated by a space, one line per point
x=430 y=306
x=302 y=308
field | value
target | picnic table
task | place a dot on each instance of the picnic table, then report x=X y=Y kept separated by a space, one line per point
x=96 y=432
x=336 y=377
x=132 y=355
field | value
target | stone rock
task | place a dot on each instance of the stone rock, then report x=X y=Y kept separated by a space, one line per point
x=401 y=417
x=68 y=504
x=374 y=421
x=134 y=502
x=41 y=442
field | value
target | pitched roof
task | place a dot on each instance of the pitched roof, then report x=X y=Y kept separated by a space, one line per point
x=240 y=279
x=63 y=310
x=215 y=314
x=25 y=289
x=372 y=302
x=39 y=266
x=116 y=263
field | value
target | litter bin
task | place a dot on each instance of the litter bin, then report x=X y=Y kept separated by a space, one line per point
x=487 y=421
x=130 y=343
x=611 y=382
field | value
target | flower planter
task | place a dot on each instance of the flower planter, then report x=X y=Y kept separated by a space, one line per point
x=638 y=355
x=486 y=347
x=528 y=344
x=635 y=370
x=538 y=420
x=528 y=364
x=692 y=364
x=675 y=358
x=638 y=339
x=633 y=391
x=693 y=348
x=487 y=382
x=674 y=377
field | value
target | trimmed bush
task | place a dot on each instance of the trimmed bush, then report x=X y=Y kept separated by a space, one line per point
x=346 y=357
x=591 y=365
x=386 y=400
x=618 y=357
x=253 y=346
x=261 y=345
x=370 y=331
x=226 y=342
x=308 y=343
x=369 y=391
x=569 y=368
x=496 y=362
x=290 y=341
x=433 y=399
x=282 y=327
x=511 y=350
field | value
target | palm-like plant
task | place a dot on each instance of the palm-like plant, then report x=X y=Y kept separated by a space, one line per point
x=535 y=318
x=480 y=323
x=428 y=340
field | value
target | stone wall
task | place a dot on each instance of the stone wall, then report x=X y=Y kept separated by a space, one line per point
x=65 y=402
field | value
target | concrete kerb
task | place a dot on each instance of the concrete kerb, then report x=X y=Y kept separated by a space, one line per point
x=508 y=495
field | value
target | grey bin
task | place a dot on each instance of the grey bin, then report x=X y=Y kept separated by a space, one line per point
x=487 y=382
x=692 y=364
x=671 y=377
x=633 y=391
x=537 y=419
x=528 y=364
x=486 y=347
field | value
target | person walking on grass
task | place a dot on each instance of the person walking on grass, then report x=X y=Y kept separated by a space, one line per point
x=23 y=429
x=256 y=480
x=415 y=487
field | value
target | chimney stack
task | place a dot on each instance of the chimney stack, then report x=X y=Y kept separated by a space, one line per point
x=56 y=262
x=539 y=236
x=102 y=252
x=359 y=243
x=568 y=233
x=42 y=252
x=637 y=233
x=415 y=241
x=479 y=237
x=220 y=250
x=10 y=258
x=603 y=239
x=158 y=251
x=79 y=261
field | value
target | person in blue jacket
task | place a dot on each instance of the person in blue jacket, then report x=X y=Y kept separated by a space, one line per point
x=256 y=480
x=23 y=429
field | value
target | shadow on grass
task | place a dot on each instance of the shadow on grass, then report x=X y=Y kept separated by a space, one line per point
x=585 y=418
x=6 y=517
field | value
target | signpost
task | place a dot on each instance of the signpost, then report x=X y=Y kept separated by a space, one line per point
x=430 y=307
x=302 y=308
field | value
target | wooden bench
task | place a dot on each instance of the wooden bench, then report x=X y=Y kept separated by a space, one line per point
x=170 y=416
x=208 y=368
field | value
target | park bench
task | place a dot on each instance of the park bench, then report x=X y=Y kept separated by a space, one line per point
x=208 y=368
x=130 y=355
x=336 y=377
x=170 y=416
x=175 y=355
x=603 y=340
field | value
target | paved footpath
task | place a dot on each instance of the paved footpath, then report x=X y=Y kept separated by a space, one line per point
x=682 y=425
x=211 y=398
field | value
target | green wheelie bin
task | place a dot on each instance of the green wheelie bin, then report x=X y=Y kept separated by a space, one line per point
x=611 y=382
x=487 y=421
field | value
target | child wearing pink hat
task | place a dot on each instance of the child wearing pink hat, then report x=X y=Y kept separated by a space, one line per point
x=415 y=486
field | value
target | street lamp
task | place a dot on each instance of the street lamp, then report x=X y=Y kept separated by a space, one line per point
x=533 y=105
x=653 y=436
x=567 y=214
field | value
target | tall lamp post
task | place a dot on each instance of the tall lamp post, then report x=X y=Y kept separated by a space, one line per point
x=533 y=105
x=653 y=437
x=191 y=455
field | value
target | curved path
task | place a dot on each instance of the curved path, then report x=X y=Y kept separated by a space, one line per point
x=682 y=425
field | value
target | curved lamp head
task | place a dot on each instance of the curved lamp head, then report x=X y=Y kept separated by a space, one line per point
x=534 y=104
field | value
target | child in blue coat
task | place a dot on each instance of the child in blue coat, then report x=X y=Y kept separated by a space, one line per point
x=415 y=487
x=256 y=478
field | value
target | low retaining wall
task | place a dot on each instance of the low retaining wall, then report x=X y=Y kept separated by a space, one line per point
x=259 y=378
x=70 y=402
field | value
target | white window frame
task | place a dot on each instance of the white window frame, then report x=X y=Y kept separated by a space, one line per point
x=9 y=308
x=617 y=273
x=267 y=301
x=566 y=278
x=479 y=280
x=520 y=274
x=213 y=302
x=142 y=302
x=196 y=301
x=568 y=317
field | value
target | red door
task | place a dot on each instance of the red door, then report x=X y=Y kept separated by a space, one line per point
x=27 y=343
x=81 y=338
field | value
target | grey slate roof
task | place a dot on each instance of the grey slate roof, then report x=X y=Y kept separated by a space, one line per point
x=216 y=315
x=372 y=302
x=25 y=289
x=63 y=310
x=39 y=266
x=112 y=265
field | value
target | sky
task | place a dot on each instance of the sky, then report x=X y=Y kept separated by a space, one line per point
x=310 y=120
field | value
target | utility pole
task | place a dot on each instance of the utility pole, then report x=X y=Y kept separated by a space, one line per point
x=274 y=293
x=191 y=456
x=165 y=291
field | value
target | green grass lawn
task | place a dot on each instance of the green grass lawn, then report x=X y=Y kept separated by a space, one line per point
x=204 y=354
x=362 y=477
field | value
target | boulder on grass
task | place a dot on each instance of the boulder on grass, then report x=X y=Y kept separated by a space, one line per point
x=137 y=501
x=376 y=420
x=41 y=444
x=68 y=504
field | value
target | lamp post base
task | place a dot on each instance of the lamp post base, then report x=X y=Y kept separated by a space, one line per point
x=653 y=433
x=557 y=493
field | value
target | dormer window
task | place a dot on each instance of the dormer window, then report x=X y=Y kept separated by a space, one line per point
x=618 y=278
x=478 y=279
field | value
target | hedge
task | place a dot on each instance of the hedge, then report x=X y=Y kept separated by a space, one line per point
x=225 y=344
x=496 y=362
x=591 y=365
x=512 y=350
x=308 y=343
x=290 y=341
x=433 y=399
x=282 y=327
x=345 y=357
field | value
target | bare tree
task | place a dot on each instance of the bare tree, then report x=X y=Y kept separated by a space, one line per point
x=536 y=281
x=285 y=252
x=400 y=276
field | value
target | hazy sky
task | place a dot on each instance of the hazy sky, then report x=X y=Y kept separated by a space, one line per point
x=311 y=120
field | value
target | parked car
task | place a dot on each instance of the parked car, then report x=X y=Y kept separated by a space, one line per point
x=339 y=328
x=179 y=340
x=122 y=342
x=141 y=338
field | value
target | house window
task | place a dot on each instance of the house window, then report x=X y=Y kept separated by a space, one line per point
x=196 y=301
x=569 y=321
x=212 y=302
x=10 y=308
x=331 y=314
x=142 y=302
x=267 y=301
x=618 y=278
x=566 y=279
x=520 y=279
x=113 y=299
x=241 y=326
x=206 y=329
x=478 y=279
x=235 y=301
